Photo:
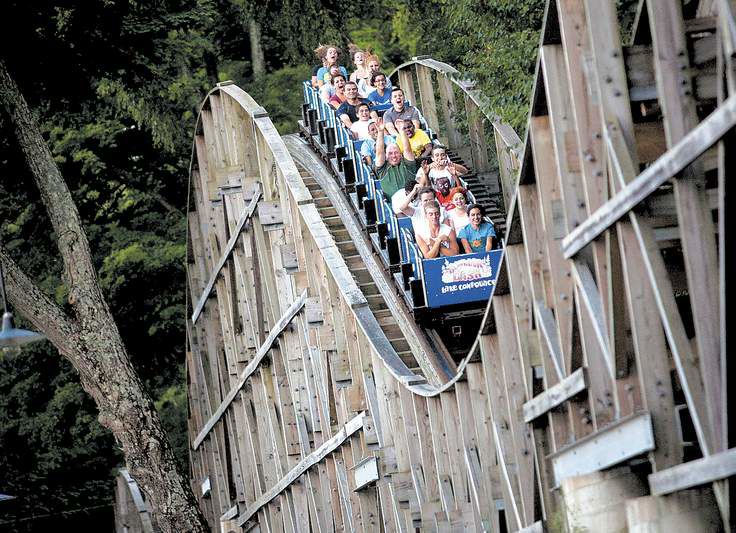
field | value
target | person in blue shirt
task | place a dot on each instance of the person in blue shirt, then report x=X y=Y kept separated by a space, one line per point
x=478 y=235
x=380 y=99
x=368 y=148
x=329 y=55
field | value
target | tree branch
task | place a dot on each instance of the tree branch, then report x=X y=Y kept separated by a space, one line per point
x=72 y=241
x=41 y=311
x=96 y=349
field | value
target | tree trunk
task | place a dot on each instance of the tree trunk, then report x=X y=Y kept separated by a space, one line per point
x=257 y=61
x=89 y=338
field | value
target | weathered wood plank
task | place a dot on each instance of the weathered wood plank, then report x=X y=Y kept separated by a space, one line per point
x=680 y=347
x=553 y=396
x=624 y=439
x=406 y=82
x=252 y=367
x=426 y=95
x=697 y=232
x=693 y=473
x=242 y=221
x=697 y=141
x=449 y=111
x=329 y=446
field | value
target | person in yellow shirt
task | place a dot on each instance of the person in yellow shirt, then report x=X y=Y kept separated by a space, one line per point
x=419 y=141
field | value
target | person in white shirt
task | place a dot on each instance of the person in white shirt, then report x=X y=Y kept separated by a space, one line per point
x=435 y=239
x=360 y=127
x=412 y=205
x=441 y=166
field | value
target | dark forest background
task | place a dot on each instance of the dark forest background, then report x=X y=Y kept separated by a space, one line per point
x=116 y=85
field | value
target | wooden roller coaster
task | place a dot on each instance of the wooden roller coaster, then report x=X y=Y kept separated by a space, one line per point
x=594 y=396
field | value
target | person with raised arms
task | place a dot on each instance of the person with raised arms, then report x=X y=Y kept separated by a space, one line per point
x=393 y=167
x=411 y=203
x=440 y=166
x=419 y=141
x=368 y=148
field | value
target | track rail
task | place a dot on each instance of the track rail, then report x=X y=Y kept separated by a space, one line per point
x=396 y=321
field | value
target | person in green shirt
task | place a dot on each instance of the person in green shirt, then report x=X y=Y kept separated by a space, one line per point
x=394 y=166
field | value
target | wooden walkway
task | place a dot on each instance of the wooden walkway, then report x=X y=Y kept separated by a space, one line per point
x=595 y=395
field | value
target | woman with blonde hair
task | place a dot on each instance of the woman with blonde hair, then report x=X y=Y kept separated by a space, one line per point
x=329 y=54
x=373 y=64
x=361 y=70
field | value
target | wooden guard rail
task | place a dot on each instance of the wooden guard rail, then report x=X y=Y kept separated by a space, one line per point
x=132 y=515
x=605 y=338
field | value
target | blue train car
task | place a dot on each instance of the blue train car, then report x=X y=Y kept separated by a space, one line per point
x=433 y=288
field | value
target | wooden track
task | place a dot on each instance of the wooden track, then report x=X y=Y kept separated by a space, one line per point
x=598 y=381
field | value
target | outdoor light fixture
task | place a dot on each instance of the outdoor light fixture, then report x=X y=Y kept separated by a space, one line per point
x=10 y=336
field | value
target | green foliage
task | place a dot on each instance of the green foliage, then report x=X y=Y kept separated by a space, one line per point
x=404 y=31
x=280 y=93
x=495 y=43
x=54 y=450
x=172 y=407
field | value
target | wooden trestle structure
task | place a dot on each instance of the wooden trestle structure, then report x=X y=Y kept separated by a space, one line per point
x=595 y=395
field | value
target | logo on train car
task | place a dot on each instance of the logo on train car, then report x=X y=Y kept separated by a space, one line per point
x=461 y=279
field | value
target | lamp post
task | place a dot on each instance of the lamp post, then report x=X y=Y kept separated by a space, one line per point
x=10 y=336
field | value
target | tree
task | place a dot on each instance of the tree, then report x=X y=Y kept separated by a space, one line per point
x=257 y=61
x=88 y=336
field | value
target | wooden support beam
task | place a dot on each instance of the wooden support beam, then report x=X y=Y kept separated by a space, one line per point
x=591 y=299
x=449 y=112
x=624 y=439
x=406 y=83
x=426 y=95
x=693 y=473
x=536 y=527
x=697 y=232
x=545 y=321
x=554 y=396
x=702 y=137
x=352 y=426
x=682 y=353
x=278 y=328
x=244 y=217
x=478 y=148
